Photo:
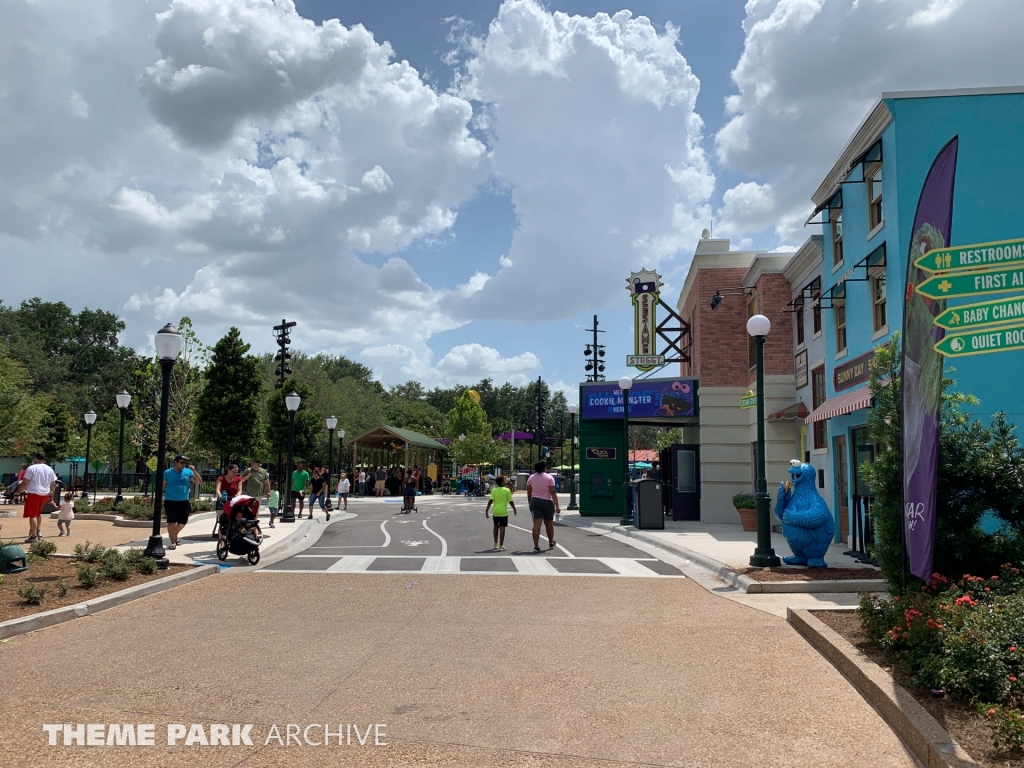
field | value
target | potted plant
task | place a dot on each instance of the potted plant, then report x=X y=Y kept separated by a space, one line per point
x=745 y=505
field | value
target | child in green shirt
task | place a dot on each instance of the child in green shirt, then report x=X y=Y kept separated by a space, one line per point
x=501 y=498
x=274 y=502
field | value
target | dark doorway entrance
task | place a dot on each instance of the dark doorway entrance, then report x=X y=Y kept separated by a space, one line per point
x=681 y=481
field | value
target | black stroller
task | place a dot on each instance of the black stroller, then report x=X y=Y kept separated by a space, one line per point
x=237 y=536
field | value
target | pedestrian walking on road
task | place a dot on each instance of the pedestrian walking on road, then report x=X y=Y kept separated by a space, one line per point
x=501 y=498
x=300 y=479
x=318 y=482
x=66 y=515
x=274 y=503
x=228 y=485
x=255 y=481
x=361 y=482
x=379 y=478
x=178 y=480
x=37 y=483
x=543 y=501
x=343 y=488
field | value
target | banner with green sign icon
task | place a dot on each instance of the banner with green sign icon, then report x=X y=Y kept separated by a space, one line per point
x=948 y=286
x=970 y=316
x=980 y=255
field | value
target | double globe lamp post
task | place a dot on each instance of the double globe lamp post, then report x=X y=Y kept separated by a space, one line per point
x=573 y=410
x=626 y=384
x=332 y=424
x=764 y=556
x=292 y=403
x=168 y=343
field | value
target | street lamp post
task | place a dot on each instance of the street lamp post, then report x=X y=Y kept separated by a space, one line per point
x=625 y=384
x=90 y=419
x=332 y=424
x=572 y=457
x=341 y=455
x=291 y=402
x=764 y=556
x=123 y=401
x=168 y=343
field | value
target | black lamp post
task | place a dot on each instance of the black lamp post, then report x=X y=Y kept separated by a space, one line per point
x=572 y=457
x=292 y=403
x=123 y=401
x=764 y=556
x=341 y=454
x=332 y=424
x=626 y=384
x=90 y=419
x=168 y=343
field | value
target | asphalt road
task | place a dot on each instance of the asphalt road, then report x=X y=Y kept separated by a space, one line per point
x=450 y=535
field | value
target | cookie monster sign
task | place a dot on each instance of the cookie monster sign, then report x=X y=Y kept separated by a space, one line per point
x=648 y=399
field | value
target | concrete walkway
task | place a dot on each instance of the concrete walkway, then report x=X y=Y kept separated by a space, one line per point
x=462 y=671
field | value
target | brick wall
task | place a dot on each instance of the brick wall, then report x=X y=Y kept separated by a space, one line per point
x=775 y=292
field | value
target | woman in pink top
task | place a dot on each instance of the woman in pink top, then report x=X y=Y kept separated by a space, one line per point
x=543 y=502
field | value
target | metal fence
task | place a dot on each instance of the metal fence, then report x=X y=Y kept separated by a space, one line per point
x=862 y=530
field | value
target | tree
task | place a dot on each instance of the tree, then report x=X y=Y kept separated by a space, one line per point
x=477 y=448
x=309 y=424
x=228 y=409
x=57 y=432
x=21 y=413
x=467 y=418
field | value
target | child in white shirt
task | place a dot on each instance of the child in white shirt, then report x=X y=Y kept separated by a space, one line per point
x=344 y=486
x=66 y=514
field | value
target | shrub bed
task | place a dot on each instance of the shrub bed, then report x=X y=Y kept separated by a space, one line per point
x=963 y=639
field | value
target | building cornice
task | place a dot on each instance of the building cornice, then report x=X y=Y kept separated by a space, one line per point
x=866 y=135
x=730 y=260
x=804 y=261
x=765 y=264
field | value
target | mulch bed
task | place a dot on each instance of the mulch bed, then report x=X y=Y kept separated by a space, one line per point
x=795 y=573
x=960 y=720
x=46 y=574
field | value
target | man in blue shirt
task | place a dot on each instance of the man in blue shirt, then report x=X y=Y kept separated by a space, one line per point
x=177 y=508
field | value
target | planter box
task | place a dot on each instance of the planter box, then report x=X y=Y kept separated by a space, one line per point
x=748 y=519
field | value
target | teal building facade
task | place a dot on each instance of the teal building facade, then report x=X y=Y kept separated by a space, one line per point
x=866 y=206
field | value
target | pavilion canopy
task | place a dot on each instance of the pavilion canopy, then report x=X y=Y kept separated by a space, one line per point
x=383 y=436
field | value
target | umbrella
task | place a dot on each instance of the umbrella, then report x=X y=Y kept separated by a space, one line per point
x=641 y=465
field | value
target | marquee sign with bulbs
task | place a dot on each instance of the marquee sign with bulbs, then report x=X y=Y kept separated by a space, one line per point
x=645 y=292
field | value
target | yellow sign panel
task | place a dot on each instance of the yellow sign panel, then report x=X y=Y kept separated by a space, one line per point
x=151 y=463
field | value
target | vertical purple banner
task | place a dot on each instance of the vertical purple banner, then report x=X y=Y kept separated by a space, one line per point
x=922 y=366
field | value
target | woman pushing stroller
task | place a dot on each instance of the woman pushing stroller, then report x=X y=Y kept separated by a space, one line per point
x=240 y=532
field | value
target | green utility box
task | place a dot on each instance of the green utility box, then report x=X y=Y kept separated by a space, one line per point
x=601 y=468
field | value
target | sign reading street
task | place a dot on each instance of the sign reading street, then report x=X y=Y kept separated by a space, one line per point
x=644 y=361
x=749 y=401
x=972 y=283
x=1004 y=252
x=982 y=342
x=971 y=316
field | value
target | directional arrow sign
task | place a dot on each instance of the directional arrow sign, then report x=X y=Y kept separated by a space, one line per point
x=972 y=283
x=982 y=342
x=971 y=316
x=1002 y=253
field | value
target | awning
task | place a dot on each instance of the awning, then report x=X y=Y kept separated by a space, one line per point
x=790 y=412
x=847 y=402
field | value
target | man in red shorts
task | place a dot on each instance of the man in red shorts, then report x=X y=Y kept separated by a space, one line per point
x=37 y=483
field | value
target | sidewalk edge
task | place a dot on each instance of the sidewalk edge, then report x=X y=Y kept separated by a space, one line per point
x=924 y=737
x=68 y=612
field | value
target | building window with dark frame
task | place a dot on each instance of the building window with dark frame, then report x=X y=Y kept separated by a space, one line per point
x=839 y=313
x=837 y=237
x=815 y=288
x=873 y=176
x=878 y=298
x=798 y=319
x=817 y=398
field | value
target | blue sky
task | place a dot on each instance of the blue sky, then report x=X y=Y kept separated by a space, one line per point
x=454 y=191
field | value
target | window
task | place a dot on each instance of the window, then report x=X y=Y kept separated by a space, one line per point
x=817 y=398
x=837 y=237
x=874 y=184
x=798 y=318
x=839 y=309
x=753 y=308
x=878 y=316
x=815 y=288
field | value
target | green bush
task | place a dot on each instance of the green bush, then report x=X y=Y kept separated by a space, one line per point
x=30 y=594
x=966 y=638
x=114 y=565
x=202 y=505
x=146 y=566
x=88 y=577
x=102 y=506
x=62 y=588
x=133 y=556
x=981 y=470
x=82 y=506
x=42 y=549
x=136 y=509
x=88 y=552
x=744 y=501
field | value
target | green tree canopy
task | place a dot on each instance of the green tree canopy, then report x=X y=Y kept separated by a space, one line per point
x=467 y=417
x=21 y=413
x=309 y=424
x=228 y=408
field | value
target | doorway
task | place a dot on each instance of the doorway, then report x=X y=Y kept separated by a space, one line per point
x=681 y=482
x=842 y=498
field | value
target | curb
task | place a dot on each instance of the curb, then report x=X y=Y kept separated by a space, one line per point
x=738 y=580
x=929 y=741
x=102 y=603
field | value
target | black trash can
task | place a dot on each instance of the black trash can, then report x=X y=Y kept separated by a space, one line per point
x=647 y=510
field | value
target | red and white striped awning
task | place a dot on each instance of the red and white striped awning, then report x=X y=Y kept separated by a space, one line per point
x=846 y=402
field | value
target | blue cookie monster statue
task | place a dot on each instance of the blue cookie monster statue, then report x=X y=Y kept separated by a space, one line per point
x=807 y=522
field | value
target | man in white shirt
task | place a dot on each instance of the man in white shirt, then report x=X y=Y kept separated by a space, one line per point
x=38 y=484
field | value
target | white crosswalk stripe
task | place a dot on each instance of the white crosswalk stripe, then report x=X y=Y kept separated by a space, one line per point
x=524 y=565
